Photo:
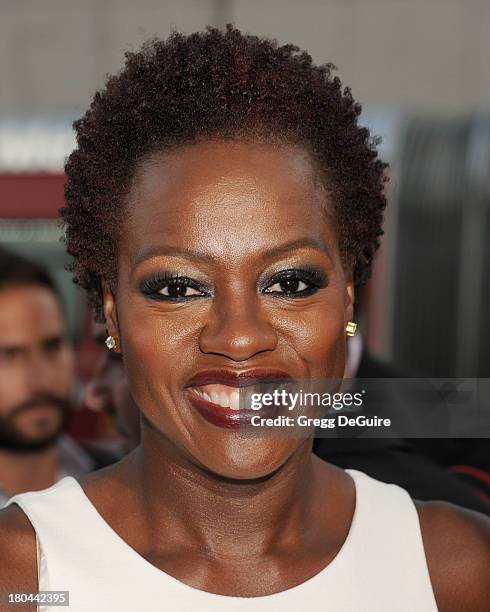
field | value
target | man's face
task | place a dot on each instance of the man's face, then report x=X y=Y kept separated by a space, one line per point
x=36 y=368
x=108 y=391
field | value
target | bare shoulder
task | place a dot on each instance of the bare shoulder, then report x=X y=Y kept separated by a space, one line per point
x=18 y=569
x=457 y=547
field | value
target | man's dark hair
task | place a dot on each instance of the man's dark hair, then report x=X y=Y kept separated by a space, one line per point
x=16 y=270
x=217 y=84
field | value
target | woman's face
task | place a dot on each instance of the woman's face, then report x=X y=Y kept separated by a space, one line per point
x=248 y=232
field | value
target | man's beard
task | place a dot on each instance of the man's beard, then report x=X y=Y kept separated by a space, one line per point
x=12 y=438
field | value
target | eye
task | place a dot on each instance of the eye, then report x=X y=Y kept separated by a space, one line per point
x=8 y=355
x=178 y=290
x=172 y=288
x=296 y=282
x=288 y=285
x=53 y=345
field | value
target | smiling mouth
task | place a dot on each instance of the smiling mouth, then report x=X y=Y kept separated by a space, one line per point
x=219 y=395
x=220 y=405
x=223 y=397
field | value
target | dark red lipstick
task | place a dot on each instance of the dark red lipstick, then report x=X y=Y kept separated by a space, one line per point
x=226 y=417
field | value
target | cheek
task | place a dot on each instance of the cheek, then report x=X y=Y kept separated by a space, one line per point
x=336 y=354
x=316 y=335
x=66 y=367
x=158 y=347
x=13 y=383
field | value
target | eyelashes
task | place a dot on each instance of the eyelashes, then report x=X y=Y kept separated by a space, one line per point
x=172 y=287
x=292 y=283
x=296 y=282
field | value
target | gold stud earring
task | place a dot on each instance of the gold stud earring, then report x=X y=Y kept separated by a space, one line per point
x=112 y=342
x=350 y=328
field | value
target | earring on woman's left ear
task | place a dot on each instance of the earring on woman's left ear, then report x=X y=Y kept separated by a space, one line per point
x=350 y=328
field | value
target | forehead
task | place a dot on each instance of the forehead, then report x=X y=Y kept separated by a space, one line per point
x=228 y=195
x=28 y=314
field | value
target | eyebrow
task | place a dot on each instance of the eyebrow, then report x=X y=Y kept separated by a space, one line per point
x=300 y=243
x=53 y=338
x=4 y=348
x=151 y=252
x=24 y=347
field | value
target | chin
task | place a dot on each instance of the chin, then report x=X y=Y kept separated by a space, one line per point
x=249 y=459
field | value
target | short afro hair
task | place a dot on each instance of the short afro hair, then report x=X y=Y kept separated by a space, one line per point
x=216 y=84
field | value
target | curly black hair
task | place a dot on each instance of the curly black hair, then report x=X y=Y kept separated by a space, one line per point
x=216 y=84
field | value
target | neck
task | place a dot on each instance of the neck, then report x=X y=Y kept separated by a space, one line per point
x=32 y=471
x=220 y=516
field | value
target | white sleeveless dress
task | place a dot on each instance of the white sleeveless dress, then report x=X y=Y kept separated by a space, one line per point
x=380 y=568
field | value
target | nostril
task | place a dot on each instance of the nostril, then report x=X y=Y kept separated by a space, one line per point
x=238 y=337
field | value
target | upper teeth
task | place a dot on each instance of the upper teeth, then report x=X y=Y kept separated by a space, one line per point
x=228 y=397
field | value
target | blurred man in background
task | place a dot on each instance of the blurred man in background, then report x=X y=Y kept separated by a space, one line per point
x=36 y=378
x=108 y=392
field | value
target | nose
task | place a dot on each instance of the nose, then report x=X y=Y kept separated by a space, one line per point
x=238 y=329
x=42 y=375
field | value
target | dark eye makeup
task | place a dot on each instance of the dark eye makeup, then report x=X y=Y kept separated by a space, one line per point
x=291 y=283
x=172 y=288
x=296 y=282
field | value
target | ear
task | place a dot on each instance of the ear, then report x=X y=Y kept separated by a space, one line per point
x=349 y=299
x=110 y=314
